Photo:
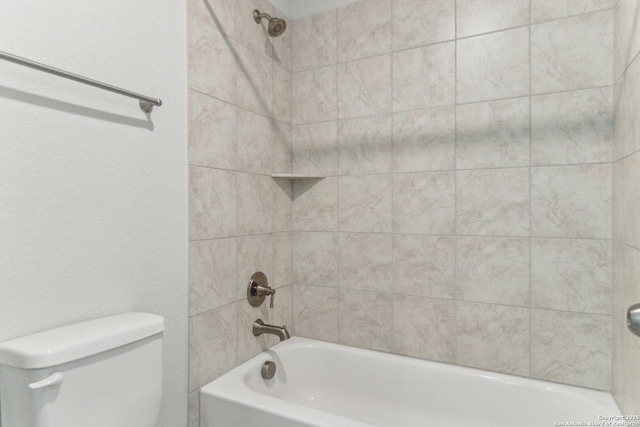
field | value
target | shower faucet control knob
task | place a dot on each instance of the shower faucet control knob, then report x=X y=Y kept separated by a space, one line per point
x=258 y=289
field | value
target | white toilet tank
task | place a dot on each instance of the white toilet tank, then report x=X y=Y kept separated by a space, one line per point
x=105 y=372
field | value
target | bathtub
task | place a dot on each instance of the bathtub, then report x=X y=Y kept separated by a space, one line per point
x=329 y=385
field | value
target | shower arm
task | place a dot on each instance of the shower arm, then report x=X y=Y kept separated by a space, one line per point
x=257 y=16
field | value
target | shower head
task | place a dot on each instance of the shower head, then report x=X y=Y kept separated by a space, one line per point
x=276 y=25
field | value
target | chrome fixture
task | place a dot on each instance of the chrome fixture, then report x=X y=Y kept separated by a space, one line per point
x=276 y=25
x=268 y=369
x=633 y=319
x=259 y=328
x=258 y=289
x=146 y=103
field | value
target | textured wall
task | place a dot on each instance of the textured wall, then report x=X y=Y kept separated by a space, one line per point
x=239 y=134
x=626 y=206
x=466 y=212
x=93 y=194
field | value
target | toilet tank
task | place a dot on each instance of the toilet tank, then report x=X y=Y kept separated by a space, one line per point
x=104 y=372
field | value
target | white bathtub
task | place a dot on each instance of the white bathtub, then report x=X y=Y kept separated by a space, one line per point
x=329 y=385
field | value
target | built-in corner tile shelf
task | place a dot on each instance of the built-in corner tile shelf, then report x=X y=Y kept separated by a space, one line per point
x=295 y=176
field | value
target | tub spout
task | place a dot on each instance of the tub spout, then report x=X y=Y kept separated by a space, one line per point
x=259 y=328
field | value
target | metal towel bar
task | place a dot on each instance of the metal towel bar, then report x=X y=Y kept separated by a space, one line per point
x=146 y=103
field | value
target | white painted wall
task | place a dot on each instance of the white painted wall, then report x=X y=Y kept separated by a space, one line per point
x=93 y=194
x=295 y=9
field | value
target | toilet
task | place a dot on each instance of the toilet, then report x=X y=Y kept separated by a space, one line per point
x=104 y=372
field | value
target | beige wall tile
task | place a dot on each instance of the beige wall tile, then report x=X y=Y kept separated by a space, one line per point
x=255 y=204
x=315 y=259
x=194 y=409
x=618 y=196
x=424 y=77
x=631 y=374
x=282 y=260
x=218 y=14
x=213 y=125
x=424 y=140
x=212 y=61
x=255 y=81
x=212 y=203
x=282 y=148
x=364 y=29
x=282 y=94
x=572 y=53
x=364 y=145
x=315 y=312
x=493 y=270
x=631 y=200
x=422 y=22
x=366 y=319
x=424 y=203
x=365 y=203
x=571 y=201
x=493 y=337
x=315 y=95
x=493 y=66
x=315 y=204
x=366 y=261
x=546 y=10
x=493 y=202
x=212 y=274
x=364 y=87
x=572 y=127
x=282 y=205
x=484 y=16
x=617 y=380
x=627 y=43
x=315 y=40
x=627 y=127
x=493 y=134
x=571 y=275
x=573 y=348
x=424 y=328
x=619 y=308
x=424 y=266
x=315 y=148
x=256 y=139
x=213 y=342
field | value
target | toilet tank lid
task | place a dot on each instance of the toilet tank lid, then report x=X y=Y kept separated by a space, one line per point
x=72 y=342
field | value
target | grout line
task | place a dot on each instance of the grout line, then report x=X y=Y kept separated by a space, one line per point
x=486 y=303
x=530 y=239
x=393 y=246
x=485 y=236
x=453 y=105
x=457 y=319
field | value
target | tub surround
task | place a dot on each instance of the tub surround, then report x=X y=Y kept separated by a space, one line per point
x=465 y=216
x=455 y=193
x=239 y=135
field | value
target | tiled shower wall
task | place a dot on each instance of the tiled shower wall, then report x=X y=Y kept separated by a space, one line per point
x=626 y=206
x=465 y=216
x=240 y=218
